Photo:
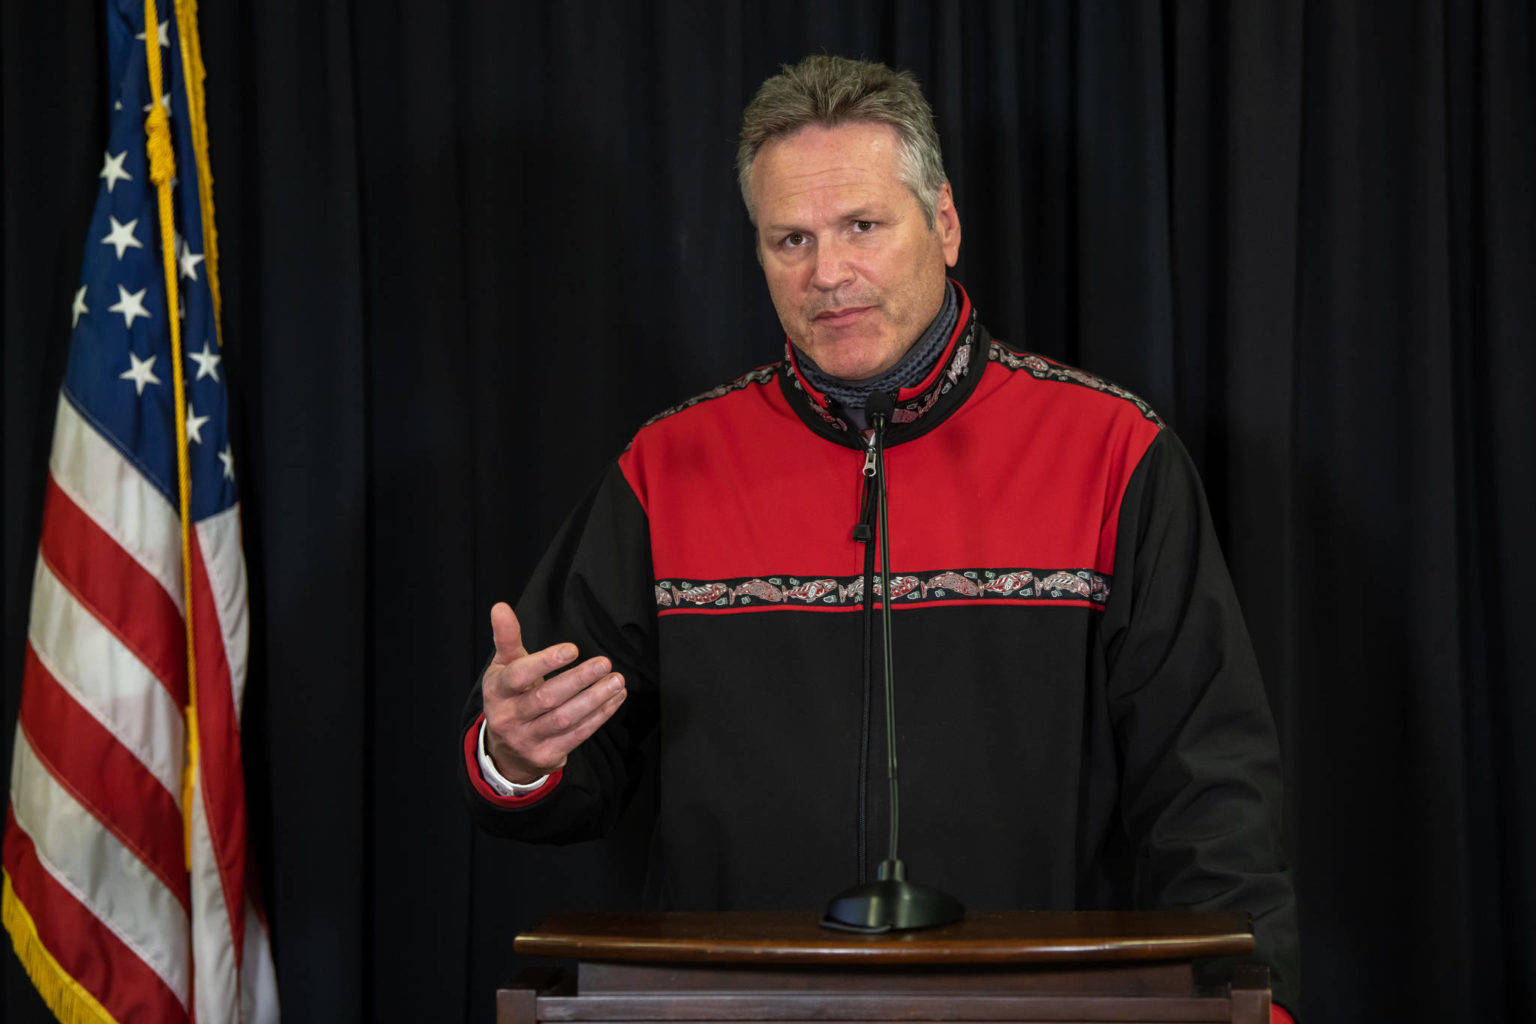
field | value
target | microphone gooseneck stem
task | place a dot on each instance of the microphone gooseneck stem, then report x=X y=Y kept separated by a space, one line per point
x=891 y=902
x=885 y=629
x=865 y=532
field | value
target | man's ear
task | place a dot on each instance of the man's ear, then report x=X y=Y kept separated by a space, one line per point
x=946 y=221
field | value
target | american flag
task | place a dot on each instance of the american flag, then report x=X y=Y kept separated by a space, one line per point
x=128 y=888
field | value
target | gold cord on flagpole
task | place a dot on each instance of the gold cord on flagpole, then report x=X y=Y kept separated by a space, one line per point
x=162 y=168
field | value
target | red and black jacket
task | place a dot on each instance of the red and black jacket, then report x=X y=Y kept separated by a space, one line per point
x=1080 y=718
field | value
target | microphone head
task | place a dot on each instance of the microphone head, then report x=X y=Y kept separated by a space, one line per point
x=880 y=403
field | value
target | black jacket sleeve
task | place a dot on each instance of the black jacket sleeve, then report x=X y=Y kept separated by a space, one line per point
x=593 y=588
x=1200 y=763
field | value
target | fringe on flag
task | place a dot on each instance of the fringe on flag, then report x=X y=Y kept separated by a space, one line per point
x=70 y=1003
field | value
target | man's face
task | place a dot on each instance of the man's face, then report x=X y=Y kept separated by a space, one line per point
x=854 y=270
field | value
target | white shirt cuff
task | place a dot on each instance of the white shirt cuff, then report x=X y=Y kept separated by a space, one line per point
x=494 y=779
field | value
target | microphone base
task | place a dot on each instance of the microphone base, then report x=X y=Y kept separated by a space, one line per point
x=891 y=904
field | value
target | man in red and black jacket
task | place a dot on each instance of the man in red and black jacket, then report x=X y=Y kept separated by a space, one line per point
x=1078 y=707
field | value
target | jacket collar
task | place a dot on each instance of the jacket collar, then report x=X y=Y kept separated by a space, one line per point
x=919 y=408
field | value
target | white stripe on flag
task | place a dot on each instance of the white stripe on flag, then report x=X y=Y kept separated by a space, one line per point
x=258 y=978
x=89 y=861
x=219 y=538
x=106 y=679
x=113 y=492
x=216 y=984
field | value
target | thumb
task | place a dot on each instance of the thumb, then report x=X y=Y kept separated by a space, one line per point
x=506 y=632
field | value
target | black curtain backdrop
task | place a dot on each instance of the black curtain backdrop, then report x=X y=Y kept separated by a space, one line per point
x=468 y=247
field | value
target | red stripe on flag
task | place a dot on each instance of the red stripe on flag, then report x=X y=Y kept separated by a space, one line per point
x=218 y=748
x=85 y=948
x=122 y=595
x=99 y=772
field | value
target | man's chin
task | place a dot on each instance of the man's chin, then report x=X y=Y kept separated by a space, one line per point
x=851 y=358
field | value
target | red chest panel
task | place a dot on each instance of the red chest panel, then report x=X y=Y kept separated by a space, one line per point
x=1027 y=472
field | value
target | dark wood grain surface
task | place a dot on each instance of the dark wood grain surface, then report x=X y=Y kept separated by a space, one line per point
x=791 y=937
x=1125 y=977
x=786 y=1008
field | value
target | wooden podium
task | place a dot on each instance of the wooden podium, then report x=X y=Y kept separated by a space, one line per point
x=782 y=966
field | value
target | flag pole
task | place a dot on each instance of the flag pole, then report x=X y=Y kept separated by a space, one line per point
x=162 y=168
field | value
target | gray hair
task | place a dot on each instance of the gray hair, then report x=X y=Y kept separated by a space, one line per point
x=828 y=91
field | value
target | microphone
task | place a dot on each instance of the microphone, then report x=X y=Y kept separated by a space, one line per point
x=880 y=403
x=890 y=903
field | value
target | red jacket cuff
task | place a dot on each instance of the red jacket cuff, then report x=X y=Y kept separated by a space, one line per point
x=476 y=779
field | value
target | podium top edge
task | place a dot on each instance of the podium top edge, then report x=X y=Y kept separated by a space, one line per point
x=796 y=937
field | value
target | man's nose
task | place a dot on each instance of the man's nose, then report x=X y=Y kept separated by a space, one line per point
x=832 y=269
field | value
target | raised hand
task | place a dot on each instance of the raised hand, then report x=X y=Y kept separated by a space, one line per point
x=534 y=718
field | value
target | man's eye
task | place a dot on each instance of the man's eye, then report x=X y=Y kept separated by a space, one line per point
x=794 y=240
x=861 y=226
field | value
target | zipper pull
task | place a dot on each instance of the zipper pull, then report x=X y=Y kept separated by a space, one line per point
x=864 y=529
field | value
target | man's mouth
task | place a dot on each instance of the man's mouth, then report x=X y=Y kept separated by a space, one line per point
x=841 y=317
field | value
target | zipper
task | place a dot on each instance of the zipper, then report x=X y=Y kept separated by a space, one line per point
x=864 y=529
x=864 y=532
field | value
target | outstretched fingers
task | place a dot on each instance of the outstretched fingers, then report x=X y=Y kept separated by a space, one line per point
x=570 y=725
x=565 y=701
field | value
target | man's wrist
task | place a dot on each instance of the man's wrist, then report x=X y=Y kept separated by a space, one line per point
x=498 y=782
